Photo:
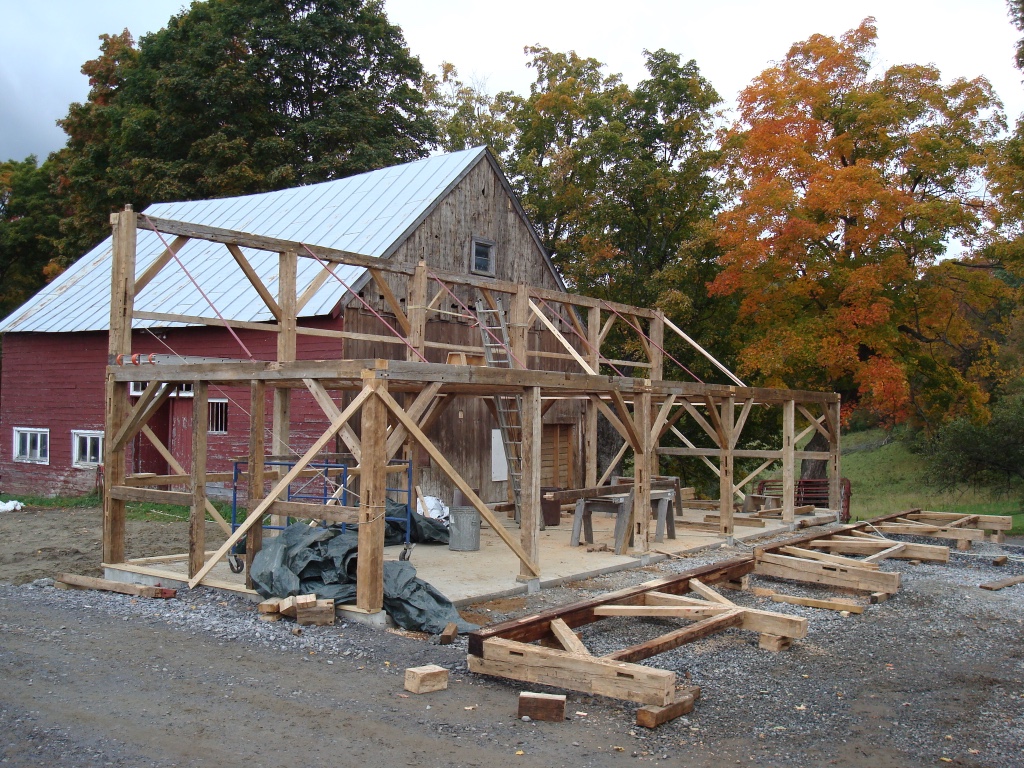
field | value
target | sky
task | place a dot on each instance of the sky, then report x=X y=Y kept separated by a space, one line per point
x=44 y=43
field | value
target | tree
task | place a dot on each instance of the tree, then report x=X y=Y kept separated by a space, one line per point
x=29 y=215
x=241 y=96
x=848 y=188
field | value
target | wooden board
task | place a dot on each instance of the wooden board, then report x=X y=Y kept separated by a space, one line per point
x=816 y=572
x=1002 y=583
x=73 y=581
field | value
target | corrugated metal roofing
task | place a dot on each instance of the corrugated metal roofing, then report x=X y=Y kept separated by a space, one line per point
x=364 y=214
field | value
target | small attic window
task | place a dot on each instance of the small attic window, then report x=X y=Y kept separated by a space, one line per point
x=481 y=257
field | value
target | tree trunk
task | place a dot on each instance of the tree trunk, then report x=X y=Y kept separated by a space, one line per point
x=815 y=469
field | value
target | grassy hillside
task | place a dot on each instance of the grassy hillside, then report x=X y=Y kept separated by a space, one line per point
x=886 y=477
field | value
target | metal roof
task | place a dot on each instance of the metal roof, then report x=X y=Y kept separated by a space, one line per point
x=369 y=214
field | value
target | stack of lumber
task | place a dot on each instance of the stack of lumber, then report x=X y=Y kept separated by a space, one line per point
x=305 y=609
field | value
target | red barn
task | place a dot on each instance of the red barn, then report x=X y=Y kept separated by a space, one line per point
x=454 y=212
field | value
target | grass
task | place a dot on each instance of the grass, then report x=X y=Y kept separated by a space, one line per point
x=885 y=476
x=159 y=513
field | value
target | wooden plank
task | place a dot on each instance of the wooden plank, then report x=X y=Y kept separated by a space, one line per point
x=282 y=485
x=548 y=707
x=150 y=495
x=574 y=494
x=254 y=280
x=928 y=552
x=154 y=396
x=393 y=303
x=106 y=585
x=313 y=286
x=568 y=638
x=332 y=411
x=688 y=634
x=172 y=317
x=627 y=434
x=561 y=339
x=987 y=522
x=739 y=521
x=810 y=602
x=798 y=569
x=444 y=465
x=561 y=669
x=702 y=589
x=936 y=531
x=993 y=586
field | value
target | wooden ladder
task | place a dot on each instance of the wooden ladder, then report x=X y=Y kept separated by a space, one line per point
x=509 y=408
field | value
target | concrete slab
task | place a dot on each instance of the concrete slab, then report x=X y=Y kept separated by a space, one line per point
x=490 y=572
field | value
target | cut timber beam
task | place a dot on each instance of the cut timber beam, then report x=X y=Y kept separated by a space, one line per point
x=568 y=638
x=70 y=580
x=928 y=552
x=892 y=551
x=561 y=669
x=696 y=631
x=816 y=572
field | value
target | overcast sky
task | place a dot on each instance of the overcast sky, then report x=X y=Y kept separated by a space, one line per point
x=44 y=43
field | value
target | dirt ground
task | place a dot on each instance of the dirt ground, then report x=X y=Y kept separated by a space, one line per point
x=934 y=676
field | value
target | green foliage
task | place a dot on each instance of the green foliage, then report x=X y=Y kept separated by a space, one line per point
x=969 y=452
x=240 y=96
x=29 y=215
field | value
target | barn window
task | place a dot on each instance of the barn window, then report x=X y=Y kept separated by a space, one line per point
x=218 y=417
x=184 y=390
x=86 y=448
x=482 y=257
x=32 y=445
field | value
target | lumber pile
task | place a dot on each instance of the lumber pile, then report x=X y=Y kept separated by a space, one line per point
x=305 y=609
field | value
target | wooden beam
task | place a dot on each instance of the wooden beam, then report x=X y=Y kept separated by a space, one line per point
x=726 y=462
x=150 y=495
x=255 y=470
x=197 y=511
x=575 y=672
x=332 y=411
x=696 y=631
x=662 y=611
x=530 y=507
x=152 y=398
x=788 y=461
x=815 y=572
x=159 y=263
x=372 y=502
x=675 y=329
x=254 y=280
x=421 y=409
x=416 y=300
x=568 y=638
x=119 y=342
x=446 y=467
x=282 y=484
x=561 y=339
x=392 y=301
x=314 y=285
x=171 y=317
x=629 y=435
x=332 y=513
x=176 y=467
x=644 y=468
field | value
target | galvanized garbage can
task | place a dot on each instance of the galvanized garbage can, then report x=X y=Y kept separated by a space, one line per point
x=463 y=529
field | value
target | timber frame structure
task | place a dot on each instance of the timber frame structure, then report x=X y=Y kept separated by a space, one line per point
x=396 y=400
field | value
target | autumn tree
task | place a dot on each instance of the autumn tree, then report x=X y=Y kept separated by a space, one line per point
x=849 y=188
x=240 y=96
x=29 y=215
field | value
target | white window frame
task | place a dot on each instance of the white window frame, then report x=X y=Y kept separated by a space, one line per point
x=209 y=425
x=136 y=389
x=90 y=434
x=492 y=252
x=18 y=432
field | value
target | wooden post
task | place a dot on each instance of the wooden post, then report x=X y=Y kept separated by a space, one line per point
x=286 y=349
x=417 y=312
x=197 y=513
x=788 y=460
x=257 y=452
x=725 y=464
x=372 y=502
x=116 y=403
x=657 y=343
x=529 y=524
x=590 y=415
x=643 y=461
x=519 y=322
x=832 y=411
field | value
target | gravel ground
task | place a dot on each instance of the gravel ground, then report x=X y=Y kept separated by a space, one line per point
x=934 y=675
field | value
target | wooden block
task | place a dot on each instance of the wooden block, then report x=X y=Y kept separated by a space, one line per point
x=1002 y=584
x=880 y=597
x=287 y=607
x=542 y=706
x=1001 y=560
x=320 y=614
x=426 y=679
x=273 y=605
x=742 y=585
x=305 y=601
x=652 y=717
x=72 y=581
x=270 y=617
x=998 y=537
x=448 y=634
x=774 y=642
x=963 y=544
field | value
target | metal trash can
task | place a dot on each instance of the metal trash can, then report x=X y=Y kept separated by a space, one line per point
x=463 y=529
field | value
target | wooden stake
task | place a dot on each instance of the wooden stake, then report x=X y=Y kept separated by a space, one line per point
x=197 y=511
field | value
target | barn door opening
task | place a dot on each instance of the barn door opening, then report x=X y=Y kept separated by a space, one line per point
x=558 y=458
